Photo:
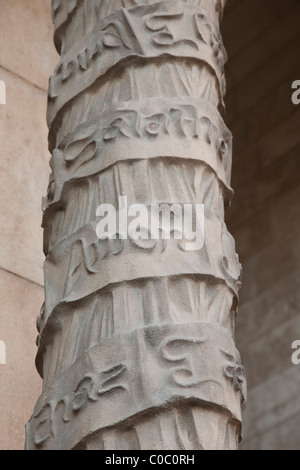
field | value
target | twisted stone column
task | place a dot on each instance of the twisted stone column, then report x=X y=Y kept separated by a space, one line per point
x=136 y=337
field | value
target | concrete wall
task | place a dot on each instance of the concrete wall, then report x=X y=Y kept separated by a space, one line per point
x=27 y=57
x=263 y=41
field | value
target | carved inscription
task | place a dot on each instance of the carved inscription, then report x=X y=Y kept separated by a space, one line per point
x=148 y=128
x=133 y=33
x=181 y=371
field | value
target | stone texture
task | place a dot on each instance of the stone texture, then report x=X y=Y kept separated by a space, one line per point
x=245 y=63
x=270 y=184
x=265 y=122
x=136 y=337
x=259 y=42
x=265 y=359
x=26 y=38
x=22 y=189
x=27 y=56
x=284 y=436
x=273 y=147
x=267 y=77
x=273 y=402
x=251 y=19
x=20 y=385
x=258 y=315
x=264 y=215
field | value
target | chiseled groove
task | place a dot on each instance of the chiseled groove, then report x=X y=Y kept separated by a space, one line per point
x=109 y=80
x=68 y=25
x=164 y=427
x=129 y=84
x=196 y=298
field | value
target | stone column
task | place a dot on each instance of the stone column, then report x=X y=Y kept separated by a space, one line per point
x=136 y=337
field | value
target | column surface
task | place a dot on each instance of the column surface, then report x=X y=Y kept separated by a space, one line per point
x=136 y=336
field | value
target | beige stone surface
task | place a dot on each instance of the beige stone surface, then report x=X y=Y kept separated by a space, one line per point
x=26 y=39
x=27 y=56
x=24 y=170
x=20 y=384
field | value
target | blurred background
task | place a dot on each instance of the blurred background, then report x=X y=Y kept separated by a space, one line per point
x=262 y=38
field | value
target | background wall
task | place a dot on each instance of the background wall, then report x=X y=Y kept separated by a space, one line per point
x=263 y=41
x=27 y=58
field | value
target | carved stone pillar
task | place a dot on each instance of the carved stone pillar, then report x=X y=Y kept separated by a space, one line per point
x=136 y=337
